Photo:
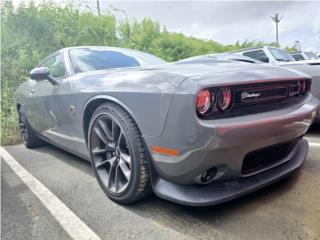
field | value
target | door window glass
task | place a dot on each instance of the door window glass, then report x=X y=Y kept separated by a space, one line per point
x=55 y=65
x=84 y=60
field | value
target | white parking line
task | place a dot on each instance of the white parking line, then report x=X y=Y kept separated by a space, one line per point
x=312 y=144
x=70 y=222
x=313 y=139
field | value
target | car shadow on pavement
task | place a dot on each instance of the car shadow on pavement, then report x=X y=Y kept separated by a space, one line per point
x=66 y=157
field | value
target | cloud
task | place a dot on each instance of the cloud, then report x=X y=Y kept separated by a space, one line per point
x=227 y=22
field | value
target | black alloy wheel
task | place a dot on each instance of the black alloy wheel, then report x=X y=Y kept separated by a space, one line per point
x=110 y=154
x=118 y=154
x=29 y=138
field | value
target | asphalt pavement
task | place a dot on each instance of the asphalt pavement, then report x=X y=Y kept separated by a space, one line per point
x=289 y=209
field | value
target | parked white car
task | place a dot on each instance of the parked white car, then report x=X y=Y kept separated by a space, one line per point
x=275 y=56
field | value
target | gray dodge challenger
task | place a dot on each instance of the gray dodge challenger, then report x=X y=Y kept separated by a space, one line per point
x=196 y=132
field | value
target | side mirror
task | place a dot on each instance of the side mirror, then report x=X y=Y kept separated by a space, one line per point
x=264 y=59
x=42 y=73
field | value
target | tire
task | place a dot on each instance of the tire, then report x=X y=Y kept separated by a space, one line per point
x=116 y=146
x=30 y=139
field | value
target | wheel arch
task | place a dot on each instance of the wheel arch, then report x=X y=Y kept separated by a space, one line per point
x=93 y=104
x=89 y=109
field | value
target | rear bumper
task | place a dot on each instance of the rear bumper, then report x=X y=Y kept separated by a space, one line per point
x=223 y=143
x=219 y=192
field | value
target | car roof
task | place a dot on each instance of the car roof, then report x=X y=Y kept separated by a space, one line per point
x=247 y=49
x=253 y=48
x=118 y=49
x=220 y=57
x=235 y=57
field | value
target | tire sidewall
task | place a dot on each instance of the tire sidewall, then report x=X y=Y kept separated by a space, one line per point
x=129 y=193
x=23 y=116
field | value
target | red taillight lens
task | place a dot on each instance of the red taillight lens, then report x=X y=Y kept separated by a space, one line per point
x=224 y=98
x=203 y=103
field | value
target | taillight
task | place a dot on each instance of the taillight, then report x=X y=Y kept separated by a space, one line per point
x=204 y=101
x=224 y=98
x=227 y=101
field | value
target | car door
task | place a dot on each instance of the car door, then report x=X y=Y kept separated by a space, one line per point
x=55 y=108
x=40 y=118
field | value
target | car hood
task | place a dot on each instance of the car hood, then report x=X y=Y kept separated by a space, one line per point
x=220 y=72
x=312 y=70
x=303 y=62
x=204 y=68
x=209 y=72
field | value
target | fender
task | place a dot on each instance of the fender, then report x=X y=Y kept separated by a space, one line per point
x=104 y=98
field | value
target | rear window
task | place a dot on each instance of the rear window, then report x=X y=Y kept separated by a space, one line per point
x=84 y=60
x=257 y=54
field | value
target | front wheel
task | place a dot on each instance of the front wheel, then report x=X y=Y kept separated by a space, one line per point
x=118 y=154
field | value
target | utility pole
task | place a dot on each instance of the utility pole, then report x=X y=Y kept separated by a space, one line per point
x=98 y=7
x=276 y=18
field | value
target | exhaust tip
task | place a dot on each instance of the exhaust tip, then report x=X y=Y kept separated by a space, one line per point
x=208 y=175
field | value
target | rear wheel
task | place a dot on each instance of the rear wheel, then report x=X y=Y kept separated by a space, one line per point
x=118 y=154
x=30 y=139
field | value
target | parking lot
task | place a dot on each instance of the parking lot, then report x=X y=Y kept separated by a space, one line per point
x=289 y=209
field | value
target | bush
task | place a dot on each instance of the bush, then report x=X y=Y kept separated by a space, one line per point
x=31 y=32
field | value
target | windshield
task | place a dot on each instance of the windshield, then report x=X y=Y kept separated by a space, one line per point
x=91 y=59
x=281 y=55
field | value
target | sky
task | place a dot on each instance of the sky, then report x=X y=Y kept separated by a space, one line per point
x=228 y=21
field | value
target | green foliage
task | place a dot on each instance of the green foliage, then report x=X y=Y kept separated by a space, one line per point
x=31 y=32
x=291 y=49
